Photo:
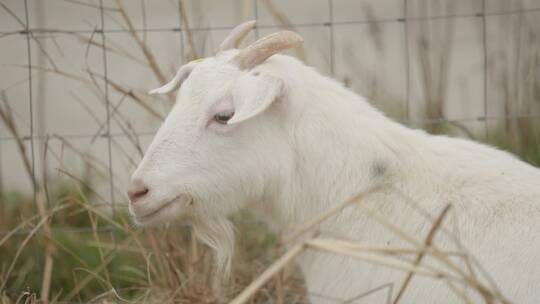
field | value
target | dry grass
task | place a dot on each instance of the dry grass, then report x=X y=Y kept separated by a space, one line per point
x=161 y=265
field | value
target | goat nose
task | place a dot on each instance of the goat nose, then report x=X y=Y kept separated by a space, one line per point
x=137 y=190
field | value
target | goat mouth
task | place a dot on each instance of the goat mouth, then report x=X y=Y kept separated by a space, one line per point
x=145 y=217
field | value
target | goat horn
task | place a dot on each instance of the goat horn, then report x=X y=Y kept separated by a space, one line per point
x=263 y=48
x=237 y=35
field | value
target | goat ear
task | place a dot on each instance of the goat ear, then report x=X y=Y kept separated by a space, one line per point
x=181 y=75
x=252 y=94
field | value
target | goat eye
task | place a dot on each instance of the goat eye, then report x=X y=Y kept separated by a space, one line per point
x=223 y=117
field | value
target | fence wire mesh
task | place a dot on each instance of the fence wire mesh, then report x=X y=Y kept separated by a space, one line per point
x=103 y=36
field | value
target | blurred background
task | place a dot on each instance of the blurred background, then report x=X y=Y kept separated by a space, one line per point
x=76 y=119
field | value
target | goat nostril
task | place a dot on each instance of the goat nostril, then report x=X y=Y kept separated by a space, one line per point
x=135 y=195
x=137 y=190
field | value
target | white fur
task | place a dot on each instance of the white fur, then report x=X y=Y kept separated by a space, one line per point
x=319 y=144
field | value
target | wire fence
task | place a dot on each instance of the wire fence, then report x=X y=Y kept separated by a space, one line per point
x=482 y=15
x=107 y=133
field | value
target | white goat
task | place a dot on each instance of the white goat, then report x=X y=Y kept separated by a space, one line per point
x=252 y=128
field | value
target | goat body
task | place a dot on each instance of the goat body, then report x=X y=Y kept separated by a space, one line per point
x=342 y=146
x=251 y=126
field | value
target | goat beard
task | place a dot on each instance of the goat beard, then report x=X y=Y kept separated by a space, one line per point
x=217 y=233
